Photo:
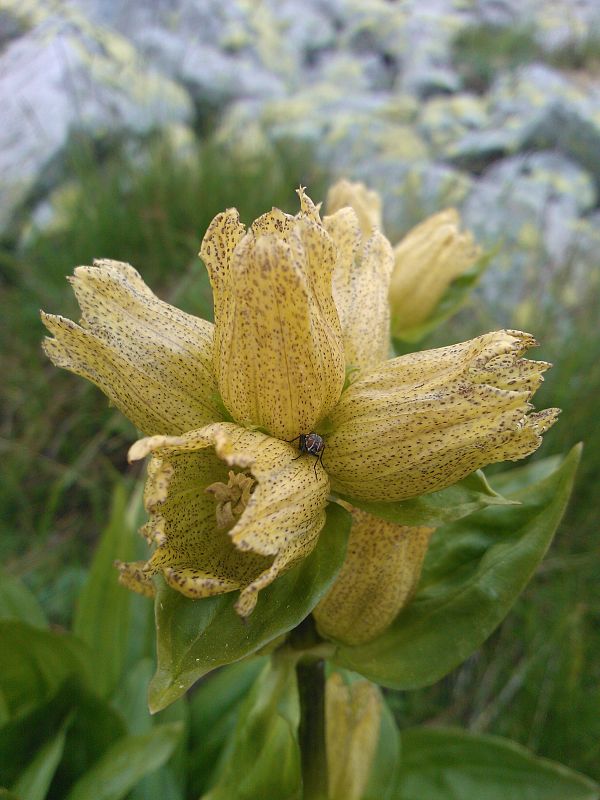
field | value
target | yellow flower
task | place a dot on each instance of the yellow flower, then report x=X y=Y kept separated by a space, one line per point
x=427 y=260
x=379 y=576
x=424 y=421
x=300 y=302
x=365 y=202
x=278 y=352
x=352 y=724
x=216 y=530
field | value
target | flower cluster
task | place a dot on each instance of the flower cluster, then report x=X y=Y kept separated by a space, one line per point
x=300 y=344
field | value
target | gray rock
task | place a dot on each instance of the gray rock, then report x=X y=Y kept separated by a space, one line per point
x=564 y=24
x=536 y=107
x=427 y=58
x=444 y=121
x=63 y=77
x=412 y=190
x=224 y=51
x=344 y=129
x=528 y=207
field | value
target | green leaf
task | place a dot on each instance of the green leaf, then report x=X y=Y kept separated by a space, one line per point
x=94 y=729
x=445 y=764
x=160 y=784
x=6 y=795
x=18 y=603
x=196 y=636
x=466 y=497
x=102 y=617
x=21 y=738
x=34 y=662
x=453 y=299
x=35 y=780
x=263 y=758
x=125 y=763
x=178 y=763
x=386 y=763
x=131 y=697
x=518 y=478
x=474 y=571
x=4 y=710
x=131 y=700
x=213 y=715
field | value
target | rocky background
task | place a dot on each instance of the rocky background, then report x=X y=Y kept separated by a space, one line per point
x=489 y=105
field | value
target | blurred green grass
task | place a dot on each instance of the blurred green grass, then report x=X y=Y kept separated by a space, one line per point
x=63 y=448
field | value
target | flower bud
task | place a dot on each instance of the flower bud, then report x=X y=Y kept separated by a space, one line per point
x=380 y=574
x=427 y=260
x=365 y=202
x=353 y=720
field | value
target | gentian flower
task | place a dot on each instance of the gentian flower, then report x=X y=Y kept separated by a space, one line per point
x=299 y=345
x=426 y=261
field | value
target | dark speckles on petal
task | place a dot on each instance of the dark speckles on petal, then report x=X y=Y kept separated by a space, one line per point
x=152 y=361
x=279 y=520
x=278 y=354
x=424 y=421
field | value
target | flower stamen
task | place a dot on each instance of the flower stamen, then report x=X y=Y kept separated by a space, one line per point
x=231 y=498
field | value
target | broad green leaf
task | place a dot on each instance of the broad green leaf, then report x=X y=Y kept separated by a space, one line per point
x=386 y=764
x=474 y=572
x=213 y=711
x=159 y=784
x=6 y=795
x=102 y=617
x=131 y=697
x=18 y=603
x=34 y=662
x=94 y=729
x=446 y=764
x=35 y=780
x=125 y=763
x=263 y=758
x=438 y=508
x=196 y=636
x=178 y=763
x=513 y=480
x=4 y=710
x=455 y=296
x=131 y=700
x=21 y=738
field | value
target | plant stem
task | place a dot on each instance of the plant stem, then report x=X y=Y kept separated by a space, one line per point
x=311 y=733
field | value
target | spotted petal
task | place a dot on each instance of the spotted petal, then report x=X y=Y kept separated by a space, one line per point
x=278 y=357
x=279 y=524
x=153 y=361
x=361 y=282
x=365 y=202
x=353 y=716
x=427 y=260
x=424 y=421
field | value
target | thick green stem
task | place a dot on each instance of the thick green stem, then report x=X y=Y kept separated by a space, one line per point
x=311 y=688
